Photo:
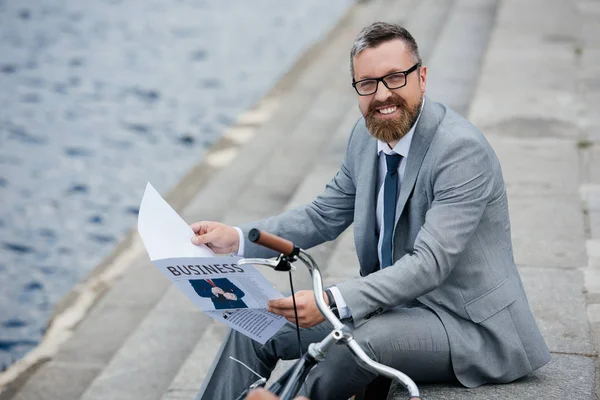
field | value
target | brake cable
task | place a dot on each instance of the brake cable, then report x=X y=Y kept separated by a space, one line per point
x=295 y=313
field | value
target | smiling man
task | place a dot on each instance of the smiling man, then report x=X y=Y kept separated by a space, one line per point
x=439 y=296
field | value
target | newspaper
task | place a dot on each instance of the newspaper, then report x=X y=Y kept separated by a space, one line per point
x=236 y=295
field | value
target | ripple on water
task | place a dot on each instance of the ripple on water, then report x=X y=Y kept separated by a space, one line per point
x=47 y=233
x=3 y=182
x=78 y=188
x=60 y=88
x=18 y=248
x=96 y=220
x=14 y=323
x=224 y=119
x=102 y=239
x=210 y=83
x=74 y=81
x=119 y=144
x=146 y=95
x=47 y=270
x=198 y=55
x=64 y=250
x=31 y=98
x=34 y=82
x=9 y=345
x=33 y=286
x=78 y=152
x=8 y=68
x=140 y=129
x=24 y=14
x=186 y=140
x=19 y=133
x=134 y=210
x=76 y=62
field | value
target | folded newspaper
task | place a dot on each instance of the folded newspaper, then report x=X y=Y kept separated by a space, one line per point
x=234 y=294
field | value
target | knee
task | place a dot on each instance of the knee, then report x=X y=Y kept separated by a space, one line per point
x=266 y=353
x=369 y=345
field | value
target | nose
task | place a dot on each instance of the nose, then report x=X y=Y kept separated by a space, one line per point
x=382 y=93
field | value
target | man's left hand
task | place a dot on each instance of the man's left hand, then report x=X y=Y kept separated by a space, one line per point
x=308 y=313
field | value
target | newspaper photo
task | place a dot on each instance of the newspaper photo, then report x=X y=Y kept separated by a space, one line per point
x=236 y=295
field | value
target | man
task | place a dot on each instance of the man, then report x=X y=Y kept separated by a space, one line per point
x=221 y=291
x=439 y=296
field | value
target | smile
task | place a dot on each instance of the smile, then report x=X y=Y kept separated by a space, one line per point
x=387 y=110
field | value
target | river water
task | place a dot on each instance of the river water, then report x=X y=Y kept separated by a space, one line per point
x=97 y=97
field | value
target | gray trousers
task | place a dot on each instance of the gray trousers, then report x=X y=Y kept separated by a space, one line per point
x=410 y=339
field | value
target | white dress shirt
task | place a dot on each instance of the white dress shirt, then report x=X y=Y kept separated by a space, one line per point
x=402 y=148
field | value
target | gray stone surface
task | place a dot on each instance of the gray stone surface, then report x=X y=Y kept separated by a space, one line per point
x=454 y=70
x=565 y=377
x=58 y=380
x=145 y=365
x=537 y=167
x=547 y=231
x=528 y=71
x=558 y=304
x=186 y=384
x=99 y=336
x=114 y=318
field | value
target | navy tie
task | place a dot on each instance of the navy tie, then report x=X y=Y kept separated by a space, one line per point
x=390 y=193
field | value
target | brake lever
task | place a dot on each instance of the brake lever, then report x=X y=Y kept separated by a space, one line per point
x=281 y=263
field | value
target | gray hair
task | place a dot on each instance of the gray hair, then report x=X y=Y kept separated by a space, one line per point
x=381 y=32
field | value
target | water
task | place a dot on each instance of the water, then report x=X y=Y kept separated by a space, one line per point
x=97 y=98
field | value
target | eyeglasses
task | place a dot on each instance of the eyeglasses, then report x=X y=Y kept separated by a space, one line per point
x=395 y=80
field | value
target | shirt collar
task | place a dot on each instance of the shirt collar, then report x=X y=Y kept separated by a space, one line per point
x=403 y=144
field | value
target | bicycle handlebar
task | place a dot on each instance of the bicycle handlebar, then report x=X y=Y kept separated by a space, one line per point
x=288 y=248
x=272 y=242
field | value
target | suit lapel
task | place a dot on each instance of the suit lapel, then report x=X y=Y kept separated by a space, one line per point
x=366 y=234
x=424 y=132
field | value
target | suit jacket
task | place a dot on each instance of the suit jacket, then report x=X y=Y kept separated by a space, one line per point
x=204 y=289
x=452 y=247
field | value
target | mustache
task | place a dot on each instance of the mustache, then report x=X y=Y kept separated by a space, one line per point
x=392 y=101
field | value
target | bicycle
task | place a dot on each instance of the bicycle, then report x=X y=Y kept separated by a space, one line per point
x=288 y=385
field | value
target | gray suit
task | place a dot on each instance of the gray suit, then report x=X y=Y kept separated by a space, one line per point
x=452 y=246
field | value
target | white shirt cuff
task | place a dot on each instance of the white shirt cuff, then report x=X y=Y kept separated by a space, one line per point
x=241 y=249
x=342 y=307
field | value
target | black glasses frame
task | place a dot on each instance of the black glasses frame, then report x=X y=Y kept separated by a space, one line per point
x=382 y=79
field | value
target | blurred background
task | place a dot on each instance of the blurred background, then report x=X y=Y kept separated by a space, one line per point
x=98 y=97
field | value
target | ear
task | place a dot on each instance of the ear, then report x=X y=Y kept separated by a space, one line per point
x=423 y=78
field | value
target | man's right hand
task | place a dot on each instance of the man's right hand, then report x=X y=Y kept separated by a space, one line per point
x=220 y=238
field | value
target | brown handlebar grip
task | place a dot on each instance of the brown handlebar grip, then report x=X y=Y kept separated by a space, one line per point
x=272 y=242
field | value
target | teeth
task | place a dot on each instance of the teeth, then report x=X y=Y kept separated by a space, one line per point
x=388 y=110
